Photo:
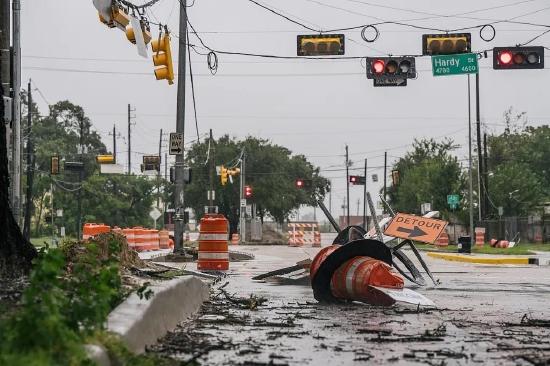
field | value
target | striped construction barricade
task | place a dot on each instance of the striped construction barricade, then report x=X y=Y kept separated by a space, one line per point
x=164 y=239
x=213 y=244
x=130 y=238
x=442 y=240
x=154 y=239
x=91 y=229
x=301 y=233
x=234 y=239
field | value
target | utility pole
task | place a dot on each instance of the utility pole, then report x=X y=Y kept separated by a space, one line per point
x=242 y=210
x=30 y=167
x=211 y=174
x=485 y=176
x=480 y=167
x=114 y=142
x=165 y=169
x=130 y=110
x=179 y=203
x=16 y=203
x=365 y=198
x=385 y=178
x=470 y=174
x=158 y=172
x=5 y=52
x=347 y=186
x=80 y=177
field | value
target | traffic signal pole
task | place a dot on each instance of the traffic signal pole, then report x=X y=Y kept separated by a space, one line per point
x=347 y=186
x=365 y=198
x=470 y=174
x=242 y=210
x=179 y=204
x=480 y=167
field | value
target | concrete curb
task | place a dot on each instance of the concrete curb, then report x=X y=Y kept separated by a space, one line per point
x=140 y=322
x=483 y=260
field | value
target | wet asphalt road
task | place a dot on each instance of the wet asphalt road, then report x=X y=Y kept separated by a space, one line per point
x=478 y=320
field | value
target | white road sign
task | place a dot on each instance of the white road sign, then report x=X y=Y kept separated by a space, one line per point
x=243 y=203
x=155 y=213
x=176 y=143
x=140 y=42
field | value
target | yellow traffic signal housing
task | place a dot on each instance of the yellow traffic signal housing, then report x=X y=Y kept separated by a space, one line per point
x=54 y=166
x=446 y=44
x=120 y=17
x=144 y=29
x=163 y=58
x=321 y=44
x=233 y=171
x=105 y=159
x=224 y=172
x=110 y=24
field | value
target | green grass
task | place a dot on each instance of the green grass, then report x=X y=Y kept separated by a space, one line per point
x=518 y=249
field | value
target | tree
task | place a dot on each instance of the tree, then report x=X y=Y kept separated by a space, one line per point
x=16 y=253
x=519 y=172
x=427 y=174
x=271 y=170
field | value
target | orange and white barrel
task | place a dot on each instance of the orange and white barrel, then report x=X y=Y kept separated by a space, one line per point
x=140 y=236
x=480 y=236
x=88 y=230
x=234 y=239
x=154 y=240
x=213 y=246
x=164 y=239
x=442 y=240
x=130 y=238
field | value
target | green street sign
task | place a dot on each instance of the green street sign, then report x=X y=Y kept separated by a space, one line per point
x=453 y=200
x=463 y=63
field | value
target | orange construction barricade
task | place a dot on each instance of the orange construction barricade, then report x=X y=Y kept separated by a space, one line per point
x=213 y=246
x=164 y=239
x=130 y=238
x=90 y=229
x=154 y=239
x=235 y=239
x=480 y=236
x=442 y=240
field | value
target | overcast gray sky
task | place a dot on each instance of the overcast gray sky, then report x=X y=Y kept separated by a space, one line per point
x=312 y=107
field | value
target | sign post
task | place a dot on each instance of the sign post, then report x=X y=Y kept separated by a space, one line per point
x=459 y=64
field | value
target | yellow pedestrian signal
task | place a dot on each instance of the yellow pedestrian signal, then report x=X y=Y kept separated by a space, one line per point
x=54 y=166
x=163 y=58
x=105 y=159
x=446 y=44
x=224 y=172
x=321 y=45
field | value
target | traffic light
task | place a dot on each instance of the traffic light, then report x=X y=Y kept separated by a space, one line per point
x=224 y=175
x=186 y=175
x=321 y=45
x=145 y=29
x=119 y=18
x=163 y=57
x=395 y=177
x=389 y=67
x=507 y=58
x=357 y=180
x=105 y=159
x=54 y=165
x=247 y=192
x=303 y=183
x=446 y=44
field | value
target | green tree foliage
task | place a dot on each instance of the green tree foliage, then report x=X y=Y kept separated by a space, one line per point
x=110 y=199
x=519 y=166
x=428 y=173
x=271 y=171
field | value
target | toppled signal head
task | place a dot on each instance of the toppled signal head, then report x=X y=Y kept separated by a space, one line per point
x=506 y=58
x=321 y=45
x=388 y=67
x=446 y=44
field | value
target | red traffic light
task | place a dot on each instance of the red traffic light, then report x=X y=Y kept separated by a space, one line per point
x=247 y=191
x=378 y=66
x=352 y=179
x=299 y=183
x=505 y=58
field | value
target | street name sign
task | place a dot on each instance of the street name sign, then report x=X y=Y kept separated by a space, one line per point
x=462 y=63
x=417 y=228
x=176 y=143
x=390 y=81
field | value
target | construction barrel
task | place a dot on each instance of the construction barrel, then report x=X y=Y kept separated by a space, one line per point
x=213 y=243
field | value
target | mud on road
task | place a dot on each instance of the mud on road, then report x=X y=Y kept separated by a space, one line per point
x=471 y=325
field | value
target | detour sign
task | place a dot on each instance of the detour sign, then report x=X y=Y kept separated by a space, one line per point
x=413 y=227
